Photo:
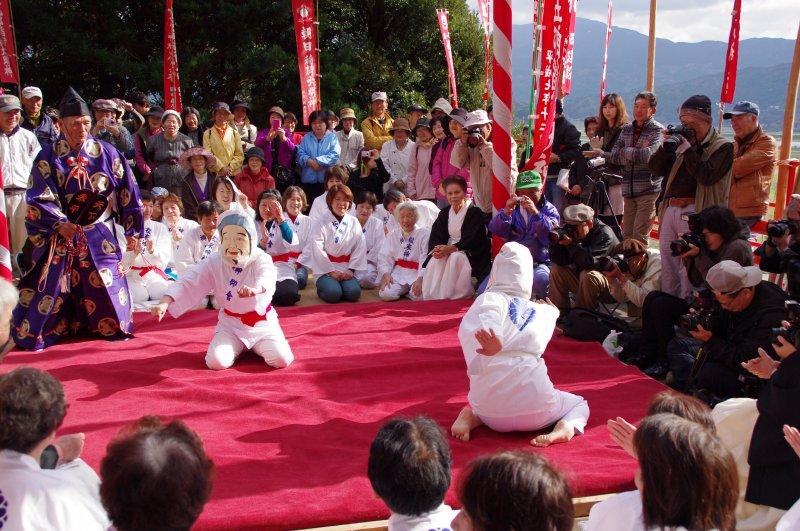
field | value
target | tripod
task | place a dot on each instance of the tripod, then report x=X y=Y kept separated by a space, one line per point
x=599 y=200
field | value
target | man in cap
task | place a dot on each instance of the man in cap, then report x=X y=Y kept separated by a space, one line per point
x=224 y=142
x=376 y=126
x=697 y=162
x=108 y=128
x=527 y=218
x=396 y=153
x=574 y=254
x=18 y=149
x=749 y=309
x=350 y=141
x=76 y=283
x=34 y=119
x=754 y=154
x=474 y=149
x=413 y=113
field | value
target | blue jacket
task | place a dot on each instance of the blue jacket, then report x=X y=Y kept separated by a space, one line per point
x=534 y=235
x=45 y=132
x=325 y=152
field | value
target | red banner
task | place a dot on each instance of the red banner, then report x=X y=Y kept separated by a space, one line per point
x=483 y=11
x=732 y=58
x=444 y=26
x=305 y=34
x=549 y=82
x=569 y=14
x=172 y=82
x=605 y=53
x=5 y=245
x=8 y=48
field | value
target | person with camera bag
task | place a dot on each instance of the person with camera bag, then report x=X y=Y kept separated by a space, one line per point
x=575 y=250
x=697 y=162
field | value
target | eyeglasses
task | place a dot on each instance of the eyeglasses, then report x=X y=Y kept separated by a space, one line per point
x=730 y=295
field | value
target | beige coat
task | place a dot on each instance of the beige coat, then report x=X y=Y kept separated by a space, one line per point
x=753 y=164
x=479 y=161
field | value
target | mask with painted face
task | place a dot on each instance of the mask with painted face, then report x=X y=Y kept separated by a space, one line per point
x=237 y=236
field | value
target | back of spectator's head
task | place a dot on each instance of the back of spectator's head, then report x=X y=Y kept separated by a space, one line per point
x=409 y=465
x=684 y=406
x=393 y=196
x=32 y=407
x=155 y=476
x=721 y=220
x=686 y=476
x=140 y=98
x=208 y=208
x=515 y=490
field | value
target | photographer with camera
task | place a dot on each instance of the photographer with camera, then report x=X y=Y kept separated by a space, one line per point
x=474 y=150
x=632 y=270
x=782 y=245
x=108 y=128
x=697 y=162
x=575 y=250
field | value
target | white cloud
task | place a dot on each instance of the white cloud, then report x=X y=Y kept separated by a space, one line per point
x=687 y=20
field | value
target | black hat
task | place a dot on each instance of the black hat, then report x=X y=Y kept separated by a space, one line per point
x=698 y=102
x=423 y=122
x=254 y=152
x=73 y=105
x=416 y=108
x=155 y=111
x=242 y=104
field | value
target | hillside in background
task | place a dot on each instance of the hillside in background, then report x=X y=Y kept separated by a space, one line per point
x=682 y=69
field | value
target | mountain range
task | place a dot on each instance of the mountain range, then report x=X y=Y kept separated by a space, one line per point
x=682 y=69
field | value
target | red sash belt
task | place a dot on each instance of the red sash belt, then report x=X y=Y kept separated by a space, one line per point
x=144 y=270
x=285 y=257
x=250 y=318
x=408 y=264
x=344 y=259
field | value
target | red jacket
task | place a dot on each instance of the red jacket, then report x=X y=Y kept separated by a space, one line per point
x=252 y=185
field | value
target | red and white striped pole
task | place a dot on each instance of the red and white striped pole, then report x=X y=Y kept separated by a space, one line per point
x=501 y=107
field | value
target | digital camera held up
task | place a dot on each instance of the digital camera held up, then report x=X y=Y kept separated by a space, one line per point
x=675 y=134
x=693 y=237
x=606 y=264
x=703 y=311
x=780 y=227
x=559 y=233
x=474 y=135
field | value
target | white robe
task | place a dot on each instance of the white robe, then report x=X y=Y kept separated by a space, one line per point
x=791 y=520
x=398 y=247
x=63 y=498
x=337 y=238
x=183 y=225
x=232 y=336
x=437 y=519
x=621 y=512
x=195 y=246
x=511 y=390
x=277 y=246
x=147 y=284
x=428 y=212
x=302 y=226
x=450 y=277
x=373 y=238
x=320 y=206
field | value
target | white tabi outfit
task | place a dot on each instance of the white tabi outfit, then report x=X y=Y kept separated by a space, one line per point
x=302 y=226
x=195 y=246
x=341 y=240
x=402 y=257
x=439 y=519
x=146 y=277
x=320 y=206
x=511 y=390
x=183 y=225
x=451 y=277
x=281 y=251
x=428 y=212
x=244 y=322
x=65 y=498
x=373 y=238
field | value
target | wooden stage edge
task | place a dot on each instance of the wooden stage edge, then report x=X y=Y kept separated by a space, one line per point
x=582 y=507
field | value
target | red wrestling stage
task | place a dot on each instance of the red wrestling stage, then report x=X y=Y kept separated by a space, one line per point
x=290 y=446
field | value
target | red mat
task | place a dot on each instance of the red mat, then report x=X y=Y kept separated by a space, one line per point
x=291 y=445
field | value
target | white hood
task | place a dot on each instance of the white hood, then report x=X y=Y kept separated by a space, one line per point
x=512 y=271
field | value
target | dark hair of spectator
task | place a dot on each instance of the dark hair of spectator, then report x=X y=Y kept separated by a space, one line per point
x=32 y=406
x=393 y=196
x=274 y=194
x=685 y=406
x=221 y=181
x=155 y=476
x=652 y=101
x=688 y=478
x=318 y=116
x=289 y=117
x=590 y=120
x=454 y=179
x=409 y=465
x=365 y=196
x=145 y=195
x=187 y=111
x=139 y=98
x=622 y=114
x=173 y=198
x=53 y=113
x=338 y=172
x=721 y=220
x=516 y=490
x=338 y=189
x=444 y=121
x=290 y=191
x=208 y=208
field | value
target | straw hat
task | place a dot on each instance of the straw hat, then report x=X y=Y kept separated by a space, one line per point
x=400 y=124
x=193 y=152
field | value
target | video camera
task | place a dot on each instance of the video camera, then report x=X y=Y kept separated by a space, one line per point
x=693 y=237
x=597 y=170
x=558 y=233
x=780 y=227
x=789 y=334
x=674 y=134
x=606 y=264
x=705 y=311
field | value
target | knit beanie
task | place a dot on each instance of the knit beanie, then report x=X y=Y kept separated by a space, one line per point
x=698 y=106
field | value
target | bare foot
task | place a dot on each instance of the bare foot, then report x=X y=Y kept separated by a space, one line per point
x=465 y=423
x=562 y=432
x=69 y=447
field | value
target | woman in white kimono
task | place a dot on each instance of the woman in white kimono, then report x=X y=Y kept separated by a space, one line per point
x=338 y=249
x=428 y=211
x=145 y=265
x=177 y=226
x=242 y=277
x=200 y=241
x=333 y=175
x=373 y=238
x=402 y=255
x=276 y=237
x=459 y=246
x=504 y=335
x=294 y=202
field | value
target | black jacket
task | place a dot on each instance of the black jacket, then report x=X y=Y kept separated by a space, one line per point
x=774 y=467
x=584 y=254
x=189 y=198
x=373 y=182
x=474 y=239
x=566 y=144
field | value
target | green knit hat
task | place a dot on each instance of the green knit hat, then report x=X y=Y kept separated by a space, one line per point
x=529 y=179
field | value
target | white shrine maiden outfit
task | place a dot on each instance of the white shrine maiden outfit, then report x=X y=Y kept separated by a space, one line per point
x=320 y=206
x=436 y=520
x=182 y=226
x=449 y=277
x=245 y=322
x=283 y=253
x=373 y=238
x=511 y=390
x=195 y=246
x=146 y=277
x=402 y=257
x=337 y=245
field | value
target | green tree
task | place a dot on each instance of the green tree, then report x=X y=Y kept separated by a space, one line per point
x=245 y=49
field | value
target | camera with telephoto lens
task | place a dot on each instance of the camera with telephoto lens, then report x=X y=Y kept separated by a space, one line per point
x=606 y=264
x=693 y=237
x=559 y=233
x=474 y=135
x=674 y=134
x=705 y=311
x=789 y=334
x=781 y=227
x=790 y=266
